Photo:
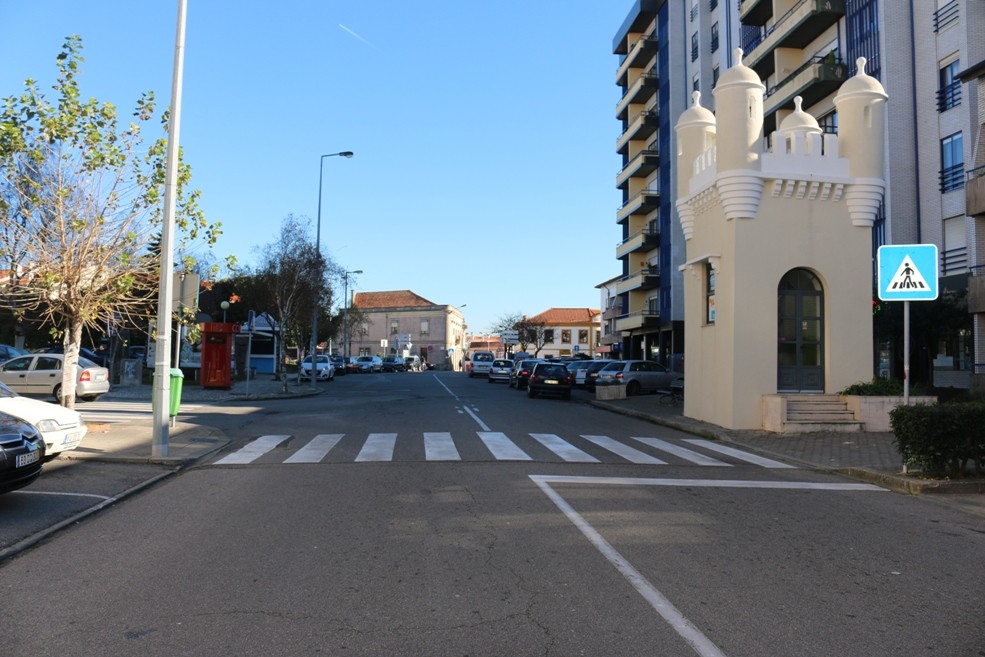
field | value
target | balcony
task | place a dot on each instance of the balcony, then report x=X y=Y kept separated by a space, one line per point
x=644 y=202
x=645 y=240
x=612 y=313
x=638 y=92
x=645 y=163
x=819 y=77
x=639 y=54
x=641 y=126
x=755 y=12
x=647 y=278
x=974 y=189
x=976 y=290
x=795 y=29
x=641 y=319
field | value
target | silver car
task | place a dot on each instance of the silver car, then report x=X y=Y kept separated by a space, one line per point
x=639 y=376
x=500 y=370
x=41 y=375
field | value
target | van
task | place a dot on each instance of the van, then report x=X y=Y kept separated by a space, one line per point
x=413 y=363
x=481 y=362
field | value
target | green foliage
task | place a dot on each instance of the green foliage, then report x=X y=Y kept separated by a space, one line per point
x=941 y=439
x=875 y=388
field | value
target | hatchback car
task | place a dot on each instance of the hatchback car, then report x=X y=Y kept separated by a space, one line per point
x=550 y=379
x=521 y=372
x=41 y=375
x=394 y=364
x=324 y=368
x=338 y=362
x=639 y=375
x=500 y=370
x=592 y=372
x=61 y=428
x=369 y=364
x=21 y=453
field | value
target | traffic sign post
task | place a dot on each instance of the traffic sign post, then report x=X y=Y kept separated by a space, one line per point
x=907 y=272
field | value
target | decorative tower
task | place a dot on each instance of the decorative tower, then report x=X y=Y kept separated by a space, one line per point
x=778 y=275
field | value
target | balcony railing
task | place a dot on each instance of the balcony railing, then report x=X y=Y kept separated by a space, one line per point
x=638 y=92
x=803 y=23
x=645 y=163
x=642 y=48
x=815 y=79
x=646 y=239
x=642 y=202
x=954 y=261
x=945 y=16
x=949 y=96
x=641 y=126
x=952 y=178
x=755 y=12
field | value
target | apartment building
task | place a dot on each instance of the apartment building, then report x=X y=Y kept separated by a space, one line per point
x=400 y=321
x=567 y=332
x=666 y=50
x=974 y=78
x=925 y=55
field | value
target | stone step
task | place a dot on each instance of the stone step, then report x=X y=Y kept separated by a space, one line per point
x=839 y=426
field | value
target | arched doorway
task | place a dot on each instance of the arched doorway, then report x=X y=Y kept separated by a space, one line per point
x=800 y=333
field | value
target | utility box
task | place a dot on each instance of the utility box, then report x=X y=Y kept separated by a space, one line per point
x=217 y=354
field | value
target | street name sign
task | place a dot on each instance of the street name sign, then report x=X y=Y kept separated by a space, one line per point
x=908 y=272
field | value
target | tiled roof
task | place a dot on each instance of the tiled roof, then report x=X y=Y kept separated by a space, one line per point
x=395 y=299
x=566 y=316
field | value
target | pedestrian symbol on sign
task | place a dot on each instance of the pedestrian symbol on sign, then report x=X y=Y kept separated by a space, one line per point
x=907 y=277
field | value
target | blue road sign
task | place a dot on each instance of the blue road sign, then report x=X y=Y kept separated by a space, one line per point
x=908 y=272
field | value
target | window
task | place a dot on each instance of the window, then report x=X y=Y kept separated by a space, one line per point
x=47 y=363
x=694 y=47
x=566 y=336
x=952 y=163
x=713 y=4
x=548 y=335
x=582 y=336
x=696 y=83
x=714 y=76
x=714 y=37
x=394 y=326
x=949 y=89
x=829 y=123
x=709 y=294
x=425 y=326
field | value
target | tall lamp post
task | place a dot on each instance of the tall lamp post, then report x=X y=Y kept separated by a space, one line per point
x=345 y=319
x=314 y=302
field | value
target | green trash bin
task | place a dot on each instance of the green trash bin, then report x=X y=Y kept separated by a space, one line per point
x=177 y=379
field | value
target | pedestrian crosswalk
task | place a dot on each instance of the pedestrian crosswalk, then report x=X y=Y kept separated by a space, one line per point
x=438 y=446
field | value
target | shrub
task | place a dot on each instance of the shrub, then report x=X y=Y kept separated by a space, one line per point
x=875 y=388
x=942 y=439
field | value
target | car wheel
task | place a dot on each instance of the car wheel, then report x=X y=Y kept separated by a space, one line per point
x=632 y=388
x=530 y=392
x=57 y=393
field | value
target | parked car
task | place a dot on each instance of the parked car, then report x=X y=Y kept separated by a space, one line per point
x=61 y=428
x=338 y=362
x=592 y=372
x=412 y=363
x=393 y=364
x=578 y=369
x=639 y=375
x=500 y=370
x=369 y=364
x=550 y=379
x=324 y=368
x=84 y=352
x=481 y=362
x=8 y=351
x=351 y=365
x=41 y=375
x=21 y=453
x=521 y=372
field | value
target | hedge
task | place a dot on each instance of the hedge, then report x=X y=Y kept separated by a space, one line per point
x=941 y=439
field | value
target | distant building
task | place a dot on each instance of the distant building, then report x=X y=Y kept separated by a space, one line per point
x=568 y=331
x=403 y=323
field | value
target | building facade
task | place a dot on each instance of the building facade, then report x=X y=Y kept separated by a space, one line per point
x=974 y=77
x=403 y=323
x=567 y=332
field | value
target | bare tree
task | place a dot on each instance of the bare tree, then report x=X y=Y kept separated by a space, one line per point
x=531 y=334
x=80 y=197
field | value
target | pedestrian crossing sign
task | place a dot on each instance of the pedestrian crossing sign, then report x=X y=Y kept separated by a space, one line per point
x=908 y=272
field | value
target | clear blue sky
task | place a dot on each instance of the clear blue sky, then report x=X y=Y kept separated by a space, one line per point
x=483 y=132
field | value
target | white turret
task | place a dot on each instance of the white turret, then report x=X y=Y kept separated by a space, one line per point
x=695 y=135
x=739 y=103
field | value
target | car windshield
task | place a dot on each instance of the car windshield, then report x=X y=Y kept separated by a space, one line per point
x=482 y=358
x=502 y=363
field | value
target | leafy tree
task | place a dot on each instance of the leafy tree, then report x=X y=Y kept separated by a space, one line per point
x=81 y=195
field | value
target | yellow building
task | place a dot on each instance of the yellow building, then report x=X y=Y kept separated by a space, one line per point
x=778 y=275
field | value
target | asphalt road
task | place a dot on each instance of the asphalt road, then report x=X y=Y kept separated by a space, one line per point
x=444 y=540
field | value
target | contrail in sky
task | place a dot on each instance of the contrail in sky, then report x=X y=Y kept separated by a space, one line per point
x=358 y=37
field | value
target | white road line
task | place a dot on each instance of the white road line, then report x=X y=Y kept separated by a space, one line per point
x=252 y=451
x=378 y=447
x=625 y=451
x=562 y=448
x=739 y=454
x=682 y=452
x=502 y=447
x=704 y=483
x=439 y=446
x=316 y=449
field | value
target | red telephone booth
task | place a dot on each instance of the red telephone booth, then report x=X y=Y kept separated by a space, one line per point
x=217 y=354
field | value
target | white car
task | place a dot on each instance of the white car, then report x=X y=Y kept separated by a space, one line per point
x=481 y=362
x=41 y=375
x=324 y=367
x=62 y=428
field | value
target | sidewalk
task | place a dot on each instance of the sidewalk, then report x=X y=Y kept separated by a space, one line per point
x=868 y=456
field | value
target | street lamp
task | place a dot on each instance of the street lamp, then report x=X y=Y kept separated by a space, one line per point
x=225 y=306
x=345 y=320
x=314 y=313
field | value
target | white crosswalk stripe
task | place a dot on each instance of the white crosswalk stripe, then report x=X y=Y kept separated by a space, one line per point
x=441 y=446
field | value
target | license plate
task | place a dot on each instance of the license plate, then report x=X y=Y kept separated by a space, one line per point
x=551 y=382
x=29 y=458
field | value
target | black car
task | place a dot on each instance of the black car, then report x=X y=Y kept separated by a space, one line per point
x=550 y=379
x=393 y=364
x=592 y=372
x=21 y=453
x=339 y=363
x=521 y=371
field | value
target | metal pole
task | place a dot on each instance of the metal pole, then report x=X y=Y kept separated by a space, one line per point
x=162 y=375
x=345 y=319
x=906 y=353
